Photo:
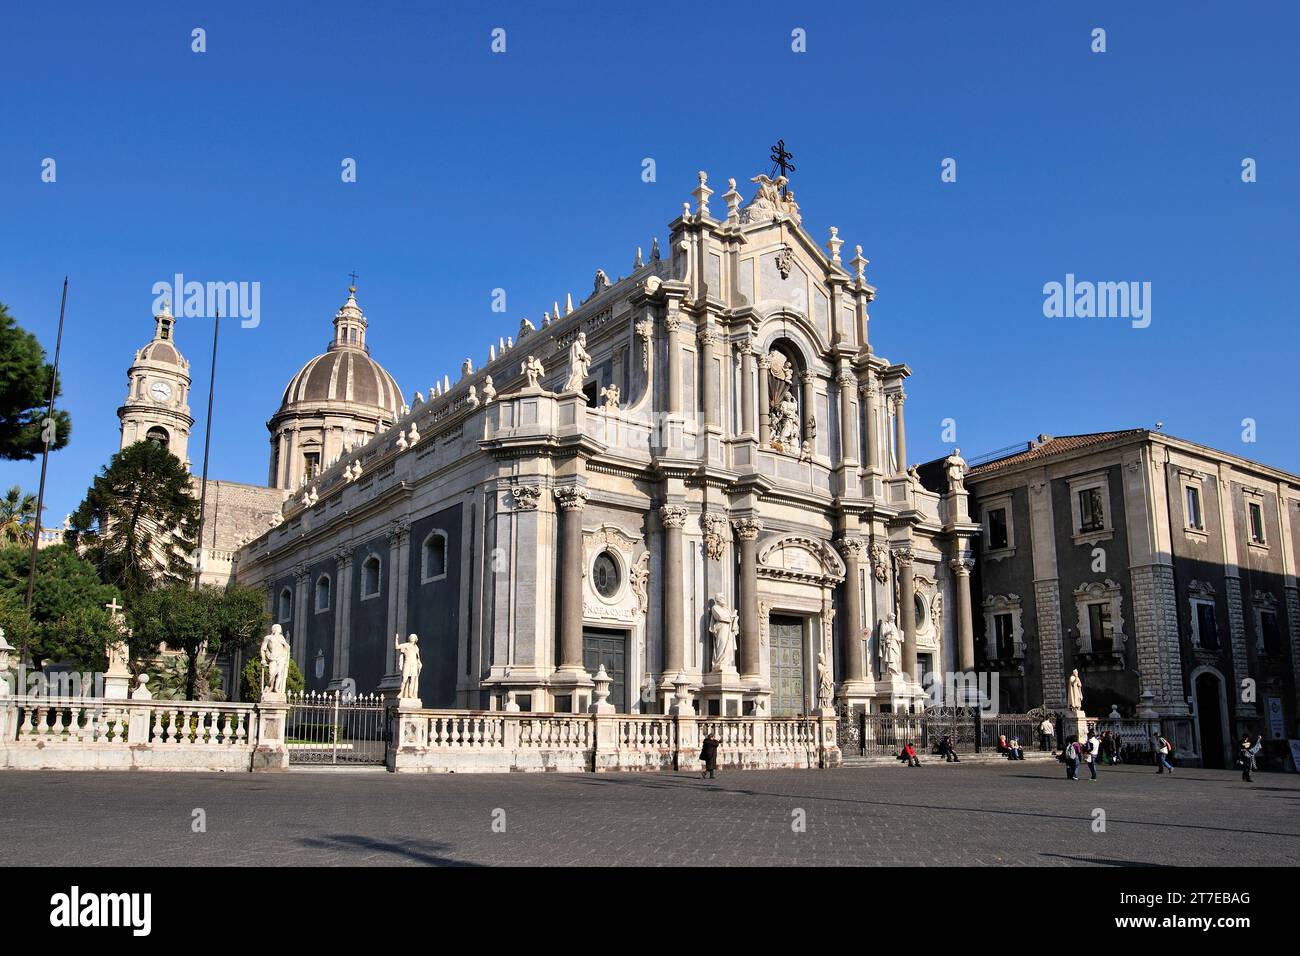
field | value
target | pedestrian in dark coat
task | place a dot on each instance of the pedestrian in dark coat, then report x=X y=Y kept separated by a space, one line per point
x=709 y=754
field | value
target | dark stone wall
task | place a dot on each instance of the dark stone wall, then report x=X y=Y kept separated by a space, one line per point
x=433 y=607
x=370 y=640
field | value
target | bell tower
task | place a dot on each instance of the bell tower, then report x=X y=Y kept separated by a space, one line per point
x=158 y=393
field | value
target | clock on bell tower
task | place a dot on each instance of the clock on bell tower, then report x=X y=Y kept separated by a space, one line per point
x=158 y=391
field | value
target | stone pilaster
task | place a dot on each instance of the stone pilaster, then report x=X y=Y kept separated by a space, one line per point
x=302 y=592
x=869 y=396
x=1155 y=628
x=342 y=614
x=1244 y=710
x=747 y=530
x=674 y=352
x=571 y=501
x=1051 y=654
x=673 y=519
x=1293 y=624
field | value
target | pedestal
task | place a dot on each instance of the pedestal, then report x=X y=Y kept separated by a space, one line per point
x=726 y=687
x=410 y=733
x=272 y=752
x=117 y=684
x=1074 y=723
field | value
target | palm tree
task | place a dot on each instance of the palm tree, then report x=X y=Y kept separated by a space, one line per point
x=17 y=517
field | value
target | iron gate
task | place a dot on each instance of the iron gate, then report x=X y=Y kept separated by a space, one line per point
x=337 y=728
x=959 y=723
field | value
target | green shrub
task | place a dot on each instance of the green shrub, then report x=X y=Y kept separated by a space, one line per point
x=251 y=680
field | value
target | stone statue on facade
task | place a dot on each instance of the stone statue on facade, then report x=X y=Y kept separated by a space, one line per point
x=610 y=393
x=785 y=423
x=579 y=363
x=891 y=643
x=534 y=370
x=408 y=657
x=275 y=664
x=489 y=390
x=1074 y=695
x=825 y=685
x=954 y=467
x=725 y=628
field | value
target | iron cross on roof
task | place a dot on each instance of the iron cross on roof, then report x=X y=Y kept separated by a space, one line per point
x=353 y=275
x=781 y=162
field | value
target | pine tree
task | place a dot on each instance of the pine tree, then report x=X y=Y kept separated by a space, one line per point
x=25 y=393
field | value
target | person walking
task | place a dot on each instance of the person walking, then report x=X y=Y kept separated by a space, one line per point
x=1248 y=752
x=1092 y=752
x=709 y=754
x=1046 y=730
x=1163 y=749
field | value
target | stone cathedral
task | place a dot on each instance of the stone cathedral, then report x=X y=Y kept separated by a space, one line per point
x=698 y=474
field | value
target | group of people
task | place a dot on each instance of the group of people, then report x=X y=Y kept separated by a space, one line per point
x=1078 y=753
x=1010 y=749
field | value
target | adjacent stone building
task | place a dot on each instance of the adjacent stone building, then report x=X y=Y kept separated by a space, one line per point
x=1165 y=571
x=697 y=479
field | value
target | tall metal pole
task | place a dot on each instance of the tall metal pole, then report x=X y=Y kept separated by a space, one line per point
x=207 y=445
x=47 y=427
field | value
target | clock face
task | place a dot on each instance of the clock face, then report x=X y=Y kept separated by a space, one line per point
x=161 y=391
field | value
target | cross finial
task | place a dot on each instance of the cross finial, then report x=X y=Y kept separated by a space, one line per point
x=113 y=607
x=781 y=162
x=353 y=276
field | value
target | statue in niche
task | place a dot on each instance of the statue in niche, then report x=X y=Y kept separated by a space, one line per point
x=784 y=406
x=725 y=628
x=890 y=645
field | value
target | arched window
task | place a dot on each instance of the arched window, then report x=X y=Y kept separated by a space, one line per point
x=370 y=577
x=323 y=593
x=434 y=557
x=158 y=435
x=285 y=610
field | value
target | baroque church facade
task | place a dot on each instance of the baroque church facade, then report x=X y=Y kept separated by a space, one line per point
x=697 y=476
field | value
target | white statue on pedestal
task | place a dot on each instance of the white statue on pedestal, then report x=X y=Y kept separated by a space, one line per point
x=275 y=664
x=579 y=363
x=890 y=644
x=409 y=661
x=825 y=685
x=533 y=369
x=725 y=628
x=1075 y=693
x=954 y=467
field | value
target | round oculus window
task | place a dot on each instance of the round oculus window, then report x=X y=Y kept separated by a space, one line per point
x=605 y=576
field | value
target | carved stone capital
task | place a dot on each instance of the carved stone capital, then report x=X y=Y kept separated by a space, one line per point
x=673 y=516
x=904 y=557
x=747 y=529
x=851 y=547
x=708 y=338
x=806 y=377
x=398 y=532
x=571 y=499
x=962 y=567
x=672 y=321
x=764 y=363
x=300 y=572
x=343 y=557
x=846 y=380
x=525 y=496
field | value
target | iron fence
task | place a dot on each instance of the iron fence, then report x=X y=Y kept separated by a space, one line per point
x=337 y=728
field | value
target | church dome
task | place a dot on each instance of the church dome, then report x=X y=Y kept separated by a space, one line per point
x=157 y=351
x=345 y=372
x=344 y=375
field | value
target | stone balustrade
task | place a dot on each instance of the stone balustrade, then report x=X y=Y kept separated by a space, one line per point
x=91 y=733
x=434 y=741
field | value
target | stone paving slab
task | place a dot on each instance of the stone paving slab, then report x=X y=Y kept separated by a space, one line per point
x=954 y=815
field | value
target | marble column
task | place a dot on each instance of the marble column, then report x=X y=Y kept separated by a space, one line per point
x=747 y=389
x=848 y=433
x=961 y=567
x=869 y=392
x=709 y=379
x=748 y=530
x=807 y=401
x=571 y=501
x=673 y=519
x=900 y=432
x=851 y=623
x=342 y=594
x=907 y=611
x=674 y=354
x=764 y=404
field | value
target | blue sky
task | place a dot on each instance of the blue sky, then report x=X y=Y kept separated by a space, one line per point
x=522 y=171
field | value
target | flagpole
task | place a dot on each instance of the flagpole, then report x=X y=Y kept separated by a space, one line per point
x=47 y=428
x=207 y=445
